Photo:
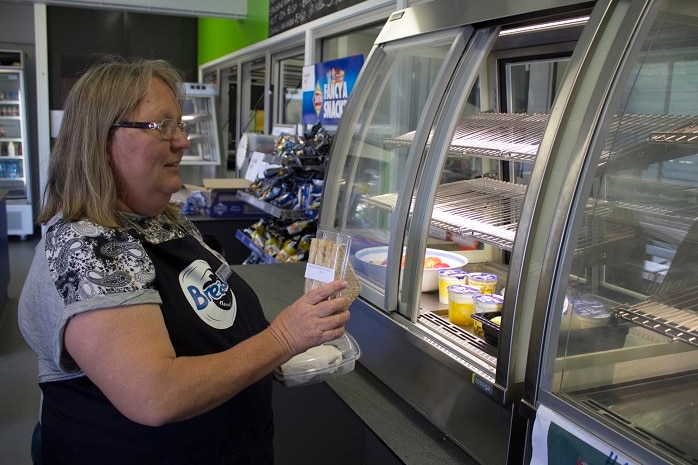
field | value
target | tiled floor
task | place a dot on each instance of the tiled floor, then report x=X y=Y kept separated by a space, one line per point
x=19 y=393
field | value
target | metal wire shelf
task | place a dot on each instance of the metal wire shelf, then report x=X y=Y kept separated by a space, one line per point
x=489 y=210
x=513 y=136
x=673 y=315
x=686 y=134
x=517 y=136
x=483 y=208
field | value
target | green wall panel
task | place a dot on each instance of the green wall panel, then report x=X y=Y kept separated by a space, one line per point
x=219 y=37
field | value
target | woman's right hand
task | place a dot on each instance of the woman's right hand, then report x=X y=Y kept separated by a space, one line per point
x=312 y=319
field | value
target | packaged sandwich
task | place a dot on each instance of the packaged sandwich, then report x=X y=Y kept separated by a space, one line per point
x=327 y=261
x=327 y=258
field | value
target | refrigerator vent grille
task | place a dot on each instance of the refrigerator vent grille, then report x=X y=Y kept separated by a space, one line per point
x=484 y=363
x=14 y=221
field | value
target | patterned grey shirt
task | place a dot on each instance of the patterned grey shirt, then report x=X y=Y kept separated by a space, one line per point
x=79 y=267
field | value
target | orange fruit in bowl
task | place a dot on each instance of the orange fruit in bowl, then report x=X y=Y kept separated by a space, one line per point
x=434 y=262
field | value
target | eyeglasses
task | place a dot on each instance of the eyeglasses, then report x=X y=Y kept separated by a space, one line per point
x=167 y=127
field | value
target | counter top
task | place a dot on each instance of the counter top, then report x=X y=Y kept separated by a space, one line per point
x=410 y=436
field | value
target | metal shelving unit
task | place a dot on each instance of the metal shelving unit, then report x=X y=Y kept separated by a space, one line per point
x=291 y=214
x=490 y=213
x=239 y=235
x=271 y=209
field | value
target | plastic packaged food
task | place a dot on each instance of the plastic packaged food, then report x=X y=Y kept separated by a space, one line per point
x=327 y=258
x=320 y=363
x=460 y=304
x=449 y=278
x=485 y=303
x=486 y=328
x=588 y=313
x=486 y=281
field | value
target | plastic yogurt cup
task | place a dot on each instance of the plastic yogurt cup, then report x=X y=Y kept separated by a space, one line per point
x=460 y=304
x=588 y=313
x=488 y=303
x=450 y=278
x=486 y=281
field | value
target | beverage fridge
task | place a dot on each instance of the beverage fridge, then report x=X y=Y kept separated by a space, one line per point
x=200 y=111
x=14 y=146
x=549 y=147
x=202 y=159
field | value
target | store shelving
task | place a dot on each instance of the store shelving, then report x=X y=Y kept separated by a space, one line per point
x=254 y=248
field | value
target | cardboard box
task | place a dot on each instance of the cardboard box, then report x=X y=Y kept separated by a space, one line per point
x=222 y=200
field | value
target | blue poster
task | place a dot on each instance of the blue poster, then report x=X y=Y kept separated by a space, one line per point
x=326 y=90
x=557 y=440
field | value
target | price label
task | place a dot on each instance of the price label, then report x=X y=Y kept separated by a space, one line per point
x=319 y=273
x=256 y=168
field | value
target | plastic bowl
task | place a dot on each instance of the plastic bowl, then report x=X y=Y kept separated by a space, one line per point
x=485 y=328
x=372 y=261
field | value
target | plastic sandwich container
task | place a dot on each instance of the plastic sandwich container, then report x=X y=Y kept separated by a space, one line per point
x=320 y=363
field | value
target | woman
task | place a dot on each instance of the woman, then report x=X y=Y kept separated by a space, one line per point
x=151 y=350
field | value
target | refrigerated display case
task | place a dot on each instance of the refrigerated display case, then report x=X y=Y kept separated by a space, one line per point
x=549 y=143
x=200 y=112
x=620 y=366
x=14 y=145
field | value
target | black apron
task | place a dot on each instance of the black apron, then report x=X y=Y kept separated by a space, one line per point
x=80 y=426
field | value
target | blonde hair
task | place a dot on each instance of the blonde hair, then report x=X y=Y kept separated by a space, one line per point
x=81 y=183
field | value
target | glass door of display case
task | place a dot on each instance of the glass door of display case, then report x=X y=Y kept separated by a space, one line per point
x=288 y=99
x=618 y=374
x=200 y=111
x=14 y=145
x=484 y=156
x=402 y=84
x=13 y=140
x=253 y=96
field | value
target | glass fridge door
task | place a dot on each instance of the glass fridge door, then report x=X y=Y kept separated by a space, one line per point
x=12 y=134
x=200 y=112
x=623 y=349
x=398 y=90
x=483 y=156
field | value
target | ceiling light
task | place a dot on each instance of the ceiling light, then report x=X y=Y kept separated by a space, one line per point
x=546 y=26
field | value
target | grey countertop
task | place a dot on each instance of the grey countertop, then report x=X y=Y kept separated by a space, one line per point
x=404 y=430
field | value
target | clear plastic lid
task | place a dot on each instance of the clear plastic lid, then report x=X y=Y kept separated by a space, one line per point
x=327 y=258
x=320 y=363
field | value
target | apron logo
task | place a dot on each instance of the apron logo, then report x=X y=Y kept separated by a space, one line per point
x=211 y=298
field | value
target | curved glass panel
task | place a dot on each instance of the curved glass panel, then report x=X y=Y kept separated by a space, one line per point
x=376 y=157
x=479 y=190
x=628 y=343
